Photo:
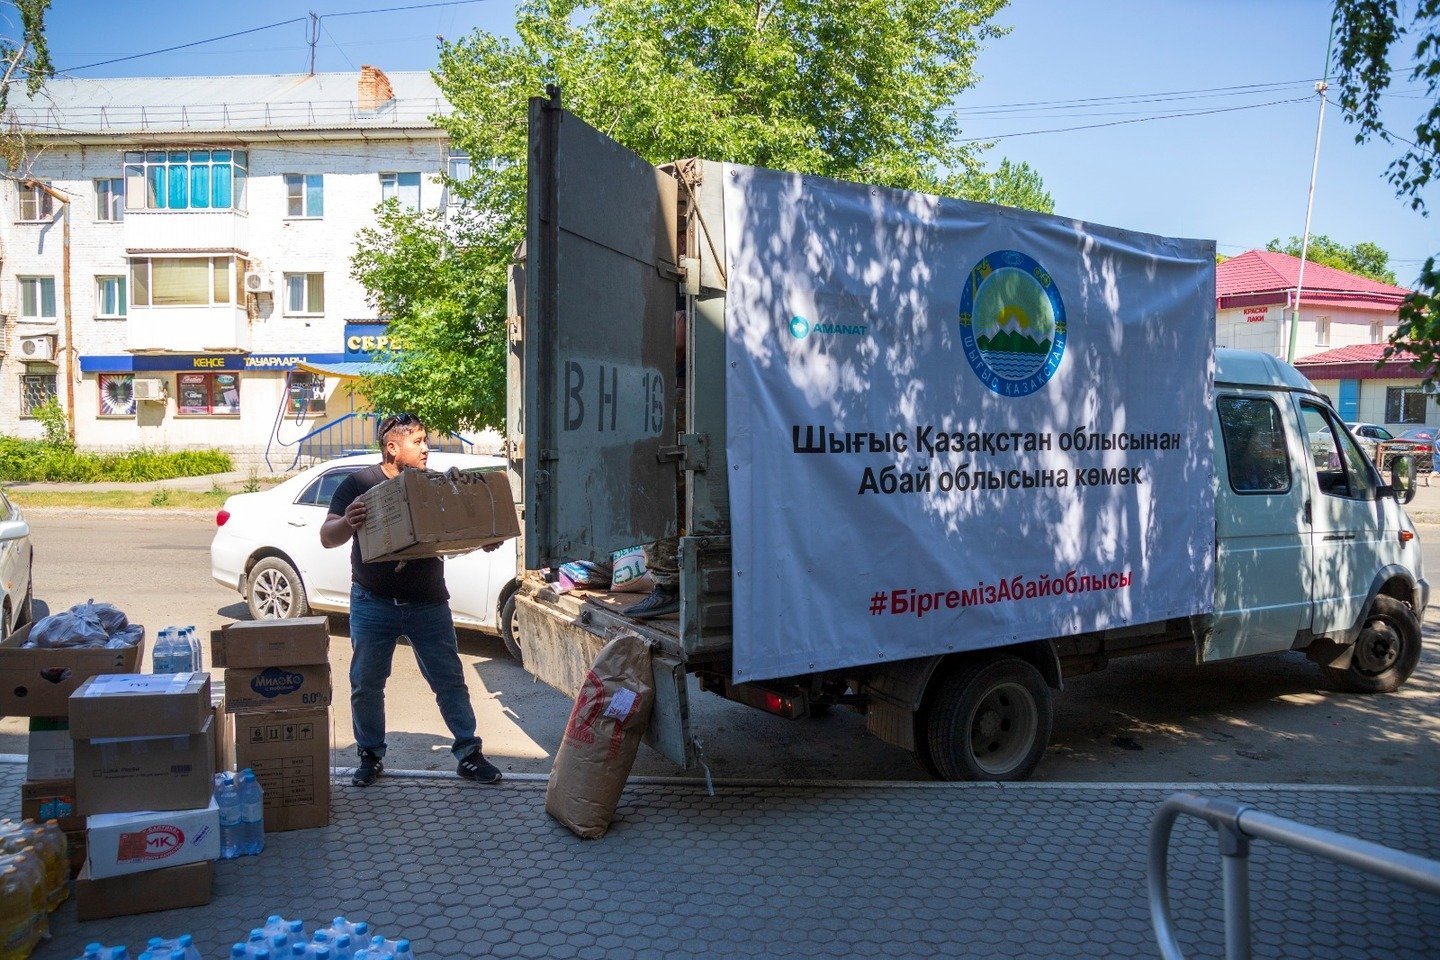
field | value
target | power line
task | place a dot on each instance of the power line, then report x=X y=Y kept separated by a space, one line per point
x=1135 y=97
x=415 y=6
x=184 y=46
x=1117 y=123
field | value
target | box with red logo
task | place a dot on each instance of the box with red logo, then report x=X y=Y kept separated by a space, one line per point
x=121 y=843
x=301 y=686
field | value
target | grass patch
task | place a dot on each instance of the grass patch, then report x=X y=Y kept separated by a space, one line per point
x=120 y=499
x=41 y=461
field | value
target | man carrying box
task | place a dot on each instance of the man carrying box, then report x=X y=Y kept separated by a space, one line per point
x=390 y=600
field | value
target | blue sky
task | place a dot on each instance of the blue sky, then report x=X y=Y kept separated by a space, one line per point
x=1238 y=174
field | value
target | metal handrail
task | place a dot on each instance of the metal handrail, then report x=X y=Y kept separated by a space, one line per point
x=1236 y=824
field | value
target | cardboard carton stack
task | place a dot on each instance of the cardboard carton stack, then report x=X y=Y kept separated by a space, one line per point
x=277 y=689
x=36 y=682
x=144 y=759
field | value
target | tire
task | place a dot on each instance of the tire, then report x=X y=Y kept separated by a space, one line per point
x=1386 y=652
x=510 y=628
x=27 y=606
x=988 y=720
x=274 y=591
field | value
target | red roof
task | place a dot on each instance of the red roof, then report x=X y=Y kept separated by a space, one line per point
x=1263 y=272
x=1359 y=362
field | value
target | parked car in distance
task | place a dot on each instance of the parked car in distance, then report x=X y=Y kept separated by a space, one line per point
x=1369 y=436
x=17 y=558
x=1421 y=442
x=267 y=548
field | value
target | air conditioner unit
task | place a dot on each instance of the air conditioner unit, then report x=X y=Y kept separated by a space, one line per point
x=37 y=348
x=258 y=282
x=149 y=388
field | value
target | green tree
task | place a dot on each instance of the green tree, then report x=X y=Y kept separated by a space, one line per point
x=25 y=56
x=852 y=89
x=1366 y=32
x=1365 y=258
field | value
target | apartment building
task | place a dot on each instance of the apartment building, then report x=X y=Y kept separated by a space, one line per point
x=176 y=252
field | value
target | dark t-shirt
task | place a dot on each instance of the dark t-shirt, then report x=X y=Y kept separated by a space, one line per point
x=422 y=580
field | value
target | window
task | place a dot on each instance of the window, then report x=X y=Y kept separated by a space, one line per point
x=1322 y=331
x=209 y=394
x=180 y=282
x=109 y=296
x=322 y=491
x=37 y=387
x=304 y=293
x=304 y=195
x=1341 y=469
x=117 y=395
x=1377 y=331
x=307 y=394
x=459 y=165
x=1254 y=445
x=1404 y=405
x=37 y=298
x=110 y=199
x=403 y=186
x=185 y=179
x=35 y=203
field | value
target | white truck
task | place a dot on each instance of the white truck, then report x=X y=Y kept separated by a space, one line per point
x=925 y=459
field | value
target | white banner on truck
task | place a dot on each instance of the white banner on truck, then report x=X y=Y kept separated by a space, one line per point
x=955 y=426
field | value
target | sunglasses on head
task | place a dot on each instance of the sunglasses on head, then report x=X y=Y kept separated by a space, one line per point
x=393 y=421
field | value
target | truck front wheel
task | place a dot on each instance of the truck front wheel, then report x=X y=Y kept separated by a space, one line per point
x=988 y=720
x=1386 y=652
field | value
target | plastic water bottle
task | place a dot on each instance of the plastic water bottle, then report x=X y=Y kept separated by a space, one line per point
x=227 y=798
x=164 y=655
x=403 y=950
x=293 y=931
x=180 y=658
x=359 y=932
x=252 y=813
x=197 y=652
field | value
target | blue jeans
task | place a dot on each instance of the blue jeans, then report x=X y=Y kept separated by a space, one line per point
x=375 y=624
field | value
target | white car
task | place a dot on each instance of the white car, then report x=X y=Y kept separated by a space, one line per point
x=17 y=557
x=267 y=548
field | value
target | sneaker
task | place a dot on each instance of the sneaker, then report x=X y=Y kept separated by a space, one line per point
x=476 y=767
x=660 y=602
x=369 y=770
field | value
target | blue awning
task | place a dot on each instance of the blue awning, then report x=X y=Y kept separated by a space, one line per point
x=345 y=369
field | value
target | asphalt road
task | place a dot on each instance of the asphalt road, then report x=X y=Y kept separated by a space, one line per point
x=1148 y=719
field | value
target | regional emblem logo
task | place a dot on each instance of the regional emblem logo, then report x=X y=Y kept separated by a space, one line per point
x=1012 y=323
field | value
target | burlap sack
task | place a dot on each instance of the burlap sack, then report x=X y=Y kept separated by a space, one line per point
x=606 y=726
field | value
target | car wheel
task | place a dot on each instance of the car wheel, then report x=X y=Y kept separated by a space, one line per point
x=989 y=720
x=510 y=628
x=1386 y=652
x=274 y=592
x=5 y=620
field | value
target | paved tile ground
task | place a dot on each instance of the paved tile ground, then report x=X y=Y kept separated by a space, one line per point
x=835 y=870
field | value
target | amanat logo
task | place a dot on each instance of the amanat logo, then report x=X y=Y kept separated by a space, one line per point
x=155 y=842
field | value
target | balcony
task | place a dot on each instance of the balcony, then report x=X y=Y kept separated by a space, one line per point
x=187 y=329
x=178 y=231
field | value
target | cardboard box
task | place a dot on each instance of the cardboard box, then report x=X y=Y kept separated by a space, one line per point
x=271 y=643
x=169 y=888
x=48 y=752
x=144 y=773
x=421 y=513
x=166 y=889
x=305 y=686
x=37 y=682
x=145 y=840
x=223 y=731
x=42 y=800
x=140 y=705
x=289 y=751
x=78 y=847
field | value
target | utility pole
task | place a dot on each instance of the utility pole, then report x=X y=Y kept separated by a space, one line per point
x=1320 y=89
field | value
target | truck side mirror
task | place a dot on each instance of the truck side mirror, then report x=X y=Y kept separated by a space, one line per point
x=1402 y=478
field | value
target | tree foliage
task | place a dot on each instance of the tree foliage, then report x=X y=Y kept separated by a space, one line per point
x=851 y=89
x=1365 y=259
x=1367 y=32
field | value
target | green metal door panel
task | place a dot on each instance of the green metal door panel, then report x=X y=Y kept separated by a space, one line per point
x=599 y=344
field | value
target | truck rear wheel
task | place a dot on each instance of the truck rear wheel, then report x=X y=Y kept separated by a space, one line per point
x=1386 y=652
x=988 y=720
